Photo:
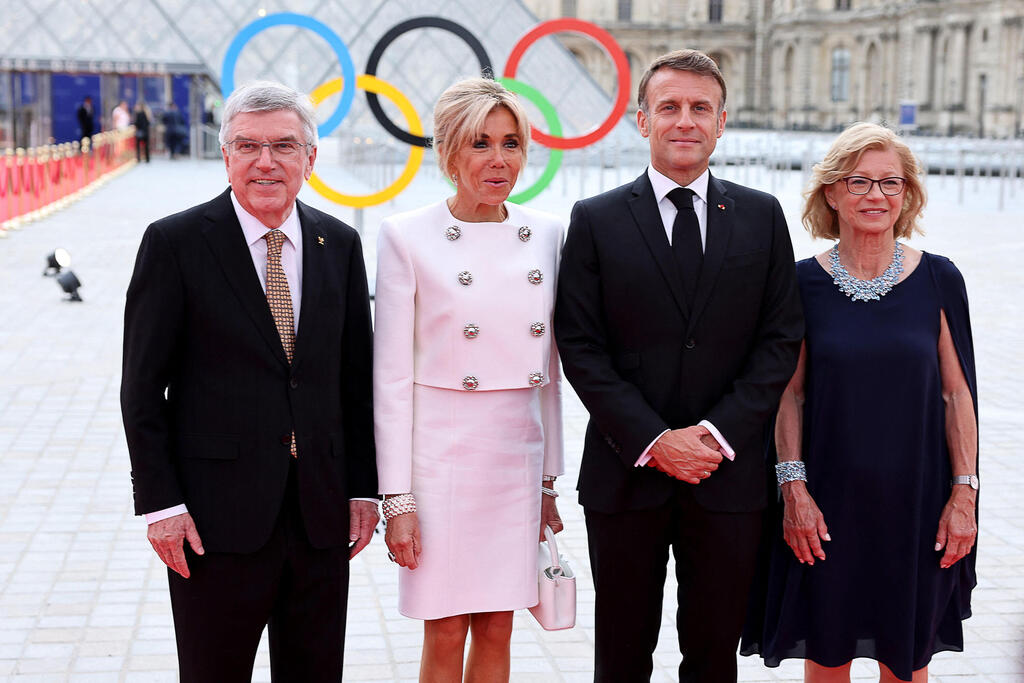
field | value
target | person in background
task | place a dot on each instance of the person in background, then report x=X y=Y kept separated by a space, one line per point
x=467 y=393
x=877 y=434
x=120 y=117
x=174 y=130
x=86 y=118
x=141 y=130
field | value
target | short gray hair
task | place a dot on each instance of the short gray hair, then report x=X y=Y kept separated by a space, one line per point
x=268 y=96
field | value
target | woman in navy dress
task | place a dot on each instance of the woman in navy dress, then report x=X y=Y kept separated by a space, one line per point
x=876 y=434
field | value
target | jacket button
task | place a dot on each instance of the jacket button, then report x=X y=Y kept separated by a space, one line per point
x=690 y=344
x=294 y=383
x=286 y=440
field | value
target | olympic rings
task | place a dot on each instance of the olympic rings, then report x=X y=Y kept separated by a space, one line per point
x=398 y=29
x=412 y=164
x=350 y=82
x=348 y=69
x=551 y=117
x=614 y=51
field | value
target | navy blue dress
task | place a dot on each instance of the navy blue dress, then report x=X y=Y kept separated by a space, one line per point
x=874 y=442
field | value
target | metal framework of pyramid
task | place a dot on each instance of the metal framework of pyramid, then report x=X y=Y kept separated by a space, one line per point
x=192 y=36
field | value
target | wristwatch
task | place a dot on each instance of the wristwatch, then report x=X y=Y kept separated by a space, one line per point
x=968 y=479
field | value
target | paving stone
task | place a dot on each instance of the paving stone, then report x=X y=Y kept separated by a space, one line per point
x=83 y=597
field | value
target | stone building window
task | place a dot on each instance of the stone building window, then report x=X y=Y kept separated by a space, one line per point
x=625 y=10
x=715 y=11
x=842 y=4
x=840 y=74
x=568 y=8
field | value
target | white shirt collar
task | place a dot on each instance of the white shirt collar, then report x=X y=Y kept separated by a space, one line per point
x=254 y=230
x=662 y=184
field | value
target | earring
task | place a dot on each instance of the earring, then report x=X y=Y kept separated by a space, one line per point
x=455 y=179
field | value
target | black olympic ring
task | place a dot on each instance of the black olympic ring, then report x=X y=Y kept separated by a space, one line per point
x=378 y=51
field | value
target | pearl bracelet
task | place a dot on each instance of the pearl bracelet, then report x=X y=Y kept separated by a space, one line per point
x=393 y=506
x=790 y=470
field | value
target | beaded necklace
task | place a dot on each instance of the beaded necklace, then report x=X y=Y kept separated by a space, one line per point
x=865 y=290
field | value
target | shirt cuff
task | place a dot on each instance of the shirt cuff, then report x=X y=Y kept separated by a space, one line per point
x=725 y=449
x=159 y=515
x=645 y=456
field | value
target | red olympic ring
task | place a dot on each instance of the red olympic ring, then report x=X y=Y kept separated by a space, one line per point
x=614 y=51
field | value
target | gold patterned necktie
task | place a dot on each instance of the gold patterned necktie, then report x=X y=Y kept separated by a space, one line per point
x=280 y=299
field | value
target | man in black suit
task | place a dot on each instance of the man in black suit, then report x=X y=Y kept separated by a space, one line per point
x=679 y=323
x=246 y=397
x=86 y=122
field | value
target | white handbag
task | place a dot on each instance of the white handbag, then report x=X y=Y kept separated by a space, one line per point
x=556 y=587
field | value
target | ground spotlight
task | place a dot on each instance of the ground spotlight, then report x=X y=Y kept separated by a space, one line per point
x=70 y=284
x=58 y=258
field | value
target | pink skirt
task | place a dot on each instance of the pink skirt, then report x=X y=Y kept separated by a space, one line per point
x=477 y=463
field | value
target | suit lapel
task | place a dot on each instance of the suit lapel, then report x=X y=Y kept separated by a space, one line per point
x=644 y=207
x=719 y=232
x=313 y=268
x=225 y=239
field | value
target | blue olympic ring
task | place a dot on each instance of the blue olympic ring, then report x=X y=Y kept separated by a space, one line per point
x=348 y=69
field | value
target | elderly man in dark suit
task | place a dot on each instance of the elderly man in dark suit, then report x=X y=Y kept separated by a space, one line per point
x=246 y=397
x=679 y=323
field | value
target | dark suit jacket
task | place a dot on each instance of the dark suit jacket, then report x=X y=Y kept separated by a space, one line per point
x=643 y=361
x=197 y=325
x=86 y=125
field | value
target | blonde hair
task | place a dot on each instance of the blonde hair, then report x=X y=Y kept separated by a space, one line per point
x=821 y=220
x=460 y=114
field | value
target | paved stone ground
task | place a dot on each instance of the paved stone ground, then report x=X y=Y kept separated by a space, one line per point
x=83 y=598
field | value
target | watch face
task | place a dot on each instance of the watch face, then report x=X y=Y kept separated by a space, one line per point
x=968 y=480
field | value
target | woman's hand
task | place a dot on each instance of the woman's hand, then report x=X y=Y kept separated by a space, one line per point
x=549 y=515
x=403 y=539
x=957 y=530
x=803 y=524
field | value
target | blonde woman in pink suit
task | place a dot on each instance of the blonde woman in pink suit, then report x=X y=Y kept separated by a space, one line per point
x=467 y=389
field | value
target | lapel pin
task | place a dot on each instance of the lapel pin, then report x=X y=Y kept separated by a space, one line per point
x=320 y=240
x=722 y=207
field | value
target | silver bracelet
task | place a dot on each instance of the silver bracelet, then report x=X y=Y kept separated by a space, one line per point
x=547 y=478
x=790 y=470
x=549 y=492
x=393 y=506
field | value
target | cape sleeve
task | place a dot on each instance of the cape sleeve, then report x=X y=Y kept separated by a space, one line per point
x=952 y=291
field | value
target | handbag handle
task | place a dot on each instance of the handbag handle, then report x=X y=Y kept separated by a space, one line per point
x=549 y=536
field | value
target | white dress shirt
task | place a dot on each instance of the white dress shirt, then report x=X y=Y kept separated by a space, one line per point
x=291 y=251
x=662 y=185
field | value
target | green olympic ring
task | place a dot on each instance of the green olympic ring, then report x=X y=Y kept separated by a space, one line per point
x=547 y=110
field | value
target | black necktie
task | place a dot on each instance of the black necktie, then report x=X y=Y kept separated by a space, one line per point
x=686 y=245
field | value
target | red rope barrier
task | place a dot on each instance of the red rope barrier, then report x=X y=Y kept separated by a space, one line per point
x=37 y=180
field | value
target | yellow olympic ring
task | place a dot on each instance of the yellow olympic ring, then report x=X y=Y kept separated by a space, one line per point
x=412 y=164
